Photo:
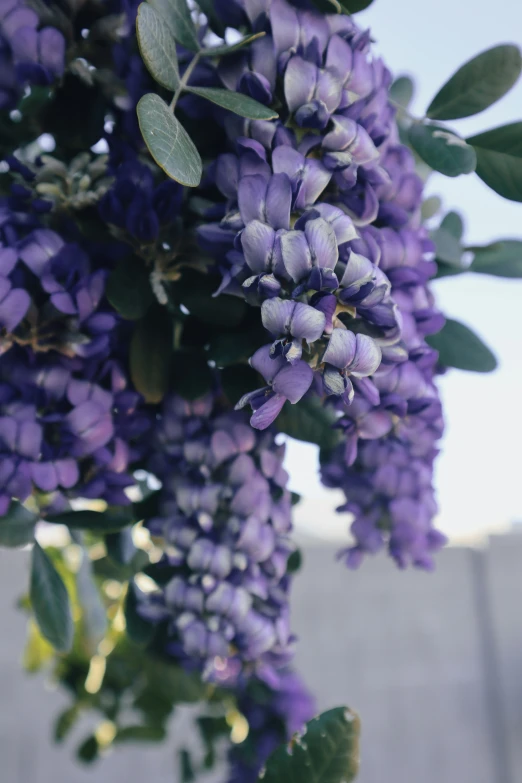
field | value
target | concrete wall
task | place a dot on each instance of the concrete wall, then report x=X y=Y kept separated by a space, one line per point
x=432 y=662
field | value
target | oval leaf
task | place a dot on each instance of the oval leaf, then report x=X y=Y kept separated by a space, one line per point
x=151 y=354
x=401 y=91
x=459 y=347
x=215 y=23
x=236 y=102
x=17 y=526
x=442 y=150
x=168 y=141
x=222 y=51
x=177 y=15
x=499 y=159
x=477 y=84
x=128 y=288
x=502 y=259
x=50 y=602
x=354 y=6
x=157 y=47
x=94 y=619
x=327 y=753
x=99 y=521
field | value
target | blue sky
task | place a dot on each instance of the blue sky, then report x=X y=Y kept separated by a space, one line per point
x=478 y=477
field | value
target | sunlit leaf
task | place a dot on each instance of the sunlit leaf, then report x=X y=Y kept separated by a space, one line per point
x=50 y=601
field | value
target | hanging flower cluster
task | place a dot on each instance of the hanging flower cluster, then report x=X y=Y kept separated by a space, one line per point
x=321 y=229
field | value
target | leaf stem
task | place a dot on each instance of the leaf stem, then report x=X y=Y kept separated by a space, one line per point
x=184 y=80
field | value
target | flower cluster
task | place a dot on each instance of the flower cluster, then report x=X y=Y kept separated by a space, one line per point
x=29 y=53
x=225 y=517
x=321 y=229
x=69 y=420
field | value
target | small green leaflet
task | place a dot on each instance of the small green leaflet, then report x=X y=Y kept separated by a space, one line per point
x=477 y=84
x=50 y=602
x=499 y=159
x=157 y=47
x=94 y=619
x=236 y=102
x=151 y=354
x=354 y=6
x=98 y=521
x=327 y=753
x=502 y=259
x=459 y=347
x=442 y=150
x=401 y=91
x=178 y=18
x=168 y=141
x=222 y=51
x=17 y=525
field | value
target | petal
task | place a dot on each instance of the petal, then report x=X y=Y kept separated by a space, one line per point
x=343 y=226
x=45 y=476
x=367 y=357
x=279 y=201
x=51 y=45
x=323 y=243
x=13 y=308
x=342 y=135
x=265 y=365
x=296 y=255
x=359 y=270
x=222 y=446
x=29 y=440
x=257 y=241
x=227 y=174
x=251 y=197
x=334 y=382
x=287 y=160
x=276 y=315
x=341 y=348
x=328 y=90
x=293 y=381
x=300 y=80
x=339 y=56
x=306 y=322
x=315 y=178
x=8 y=259
x=267 y=413
x=285 y=26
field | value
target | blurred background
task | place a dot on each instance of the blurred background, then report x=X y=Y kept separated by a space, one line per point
x=432 y=662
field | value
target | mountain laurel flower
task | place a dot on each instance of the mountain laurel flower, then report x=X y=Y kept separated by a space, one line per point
x=296 y=322
x=348 y=354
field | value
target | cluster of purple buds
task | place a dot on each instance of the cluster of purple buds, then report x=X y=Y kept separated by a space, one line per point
x=225 y=516
x=29 y=54
x=321 y=228
x=136 y=205
x=70 y=423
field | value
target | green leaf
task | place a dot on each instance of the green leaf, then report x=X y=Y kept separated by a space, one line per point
x=94 y=619
x=453 y=224
x=295 y=562
x=328 y=6
x=178 y=18
x=89 y=750
x=38 y=652
x=477 y=84
x=238 y=379
x=157 y=47
x=459 y=347
x=193 y=376
x=502 y=259
x=50 y=601
x=151 y=354
x=186 y=766
x=128 y=288
x=65 y=722
x=309 y=421
x=228 y=348
x=235 y=102
x=195 y=291
x=17 y=526
x=430 y=207
x=168 y=141
x=401 y=91
x=141 y=734
x=97 y=521
x=222 y=51
x=447 y=238
x=327 y=753
x=442 y=150
x=120 y=546
x=207 y=6
x=139 y=630
x=499 y=159
x=354 y=6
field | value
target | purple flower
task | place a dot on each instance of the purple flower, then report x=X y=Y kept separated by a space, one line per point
x=296 y=322
x=348 y=354
x=285 y=382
